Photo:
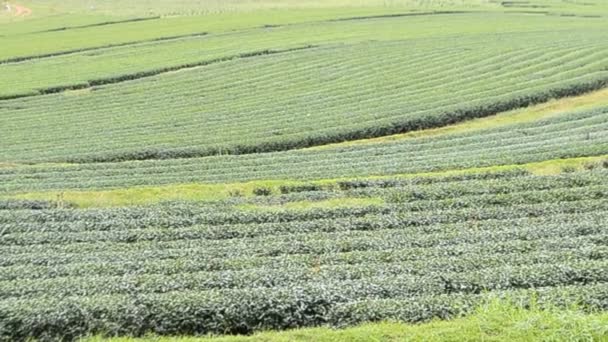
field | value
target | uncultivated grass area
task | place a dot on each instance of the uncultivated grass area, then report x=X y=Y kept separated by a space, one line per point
x=217 y=192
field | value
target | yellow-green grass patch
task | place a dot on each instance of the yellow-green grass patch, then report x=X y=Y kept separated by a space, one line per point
x=347 y=202
x=215 y=192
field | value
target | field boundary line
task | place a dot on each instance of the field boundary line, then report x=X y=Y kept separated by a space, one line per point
x=196 y=34
x=104 y=23
x=74 y=51
x=398 y=15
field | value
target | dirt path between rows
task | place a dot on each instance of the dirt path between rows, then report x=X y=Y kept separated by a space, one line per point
x=17 y=10
x=21 y=11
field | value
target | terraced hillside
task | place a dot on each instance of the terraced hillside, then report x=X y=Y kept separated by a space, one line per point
x=205 y=167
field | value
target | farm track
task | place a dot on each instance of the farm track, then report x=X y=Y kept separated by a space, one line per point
x=21 y=11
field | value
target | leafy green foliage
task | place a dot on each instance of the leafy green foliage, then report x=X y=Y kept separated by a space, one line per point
x=494 y=320
x=179 y=268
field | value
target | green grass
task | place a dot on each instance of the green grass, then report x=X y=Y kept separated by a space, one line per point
x=343 y=202
x=97 y=38
x=42 y=43
x=493 y=322
x=196 y=7
x=50 y=14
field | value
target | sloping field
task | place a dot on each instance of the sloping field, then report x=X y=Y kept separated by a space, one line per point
x=433 y=249
x=61 y=40
x=338 y=85
x=197 y=46
x=577 y=134
x=184 y=168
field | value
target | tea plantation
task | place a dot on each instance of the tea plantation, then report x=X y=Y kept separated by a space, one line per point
x=197 y=168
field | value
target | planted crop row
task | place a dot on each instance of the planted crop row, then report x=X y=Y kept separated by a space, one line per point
x=418 y=196
x=413 y=250
x=121 y=62
x=433 y=235
x=421 y=309
x=415 y=190
x=244 y=311
x=403 y=216
x=412 y=281
x=456 y=257
x=27 y=204
x=566 y=136
x=64 y=33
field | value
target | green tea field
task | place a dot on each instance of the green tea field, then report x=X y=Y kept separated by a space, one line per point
x=282 y=170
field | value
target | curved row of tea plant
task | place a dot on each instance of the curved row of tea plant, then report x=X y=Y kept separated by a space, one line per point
x=282 y=254
x=405 y=85
x=423 y=217
x=112 y=64
x=424 y=213
x=425 y=188
x=61 y=35
x=175 y=261
x=250 y=310
x=569 y=135
x=429 y=232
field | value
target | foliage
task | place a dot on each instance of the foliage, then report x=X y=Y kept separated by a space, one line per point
x=496 y=320
x=180 y=268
